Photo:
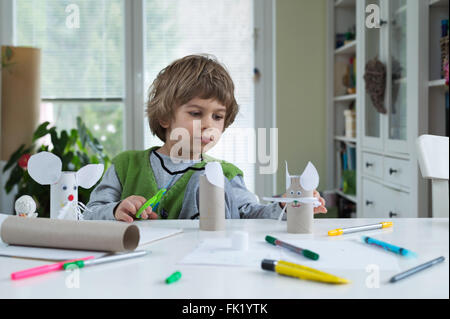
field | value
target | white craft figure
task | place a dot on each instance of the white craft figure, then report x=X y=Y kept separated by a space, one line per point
x=25 y=206
x=46 y=169
x=300 y=200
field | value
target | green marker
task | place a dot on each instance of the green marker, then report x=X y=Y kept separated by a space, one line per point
x=153 y=202
x=305 y=252
x=103 y=260
x=174 y=277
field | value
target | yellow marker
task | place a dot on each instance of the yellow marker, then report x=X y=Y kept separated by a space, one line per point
x=293 y=270
x=340 y=231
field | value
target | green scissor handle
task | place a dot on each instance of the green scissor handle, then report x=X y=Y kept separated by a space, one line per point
x=153 y=202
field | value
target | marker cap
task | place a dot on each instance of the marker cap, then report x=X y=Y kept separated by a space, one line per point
x=174 y=277
x=335 y=232
x=268 y=264
x=270 y=239
x=310 y=254
x=386 y=224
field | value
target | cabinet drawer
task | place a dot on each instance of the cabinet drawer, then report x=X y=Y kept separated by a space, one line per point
x=397 y=171
x=398 y=203
x=373 y=200
x=373 y=165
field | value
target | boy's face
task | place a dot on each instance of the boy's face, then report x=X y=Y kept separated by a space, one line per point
x=204 y=120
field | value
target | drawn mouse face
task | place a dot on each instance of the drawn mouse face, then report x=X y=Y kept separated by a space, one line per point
x=294 y=190
x=67 y=189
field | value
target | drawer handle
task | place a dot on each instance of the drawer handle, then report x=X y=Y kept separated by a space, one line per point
x=391 y=214
x=368 y=164
x=368 y=202
x=392 y=171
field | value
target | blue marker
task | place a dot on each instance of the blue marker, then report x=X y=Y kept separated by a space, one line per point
x=387 y=246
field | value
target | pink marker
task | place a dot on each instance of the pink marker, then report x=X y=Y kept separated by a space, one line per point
x=43 y=269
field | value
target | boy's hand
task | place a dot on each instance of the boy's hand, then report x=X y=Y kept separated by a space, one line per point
x=317 y=210
x=320 y=209
x=127 y=209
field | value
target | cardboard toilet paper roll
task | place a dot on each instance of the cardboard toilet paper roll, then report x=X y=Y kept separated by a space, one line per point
x=110 y=236
x=300 y=219
x=212 y=205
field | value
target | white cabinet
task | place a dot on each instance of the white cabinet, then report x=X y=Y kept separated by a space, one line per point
x=407 y=43
x=382 y=201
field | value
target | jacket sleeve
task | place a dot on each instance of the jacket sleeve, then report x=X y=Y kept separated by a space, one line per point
x=248 y=205
x=105 y=197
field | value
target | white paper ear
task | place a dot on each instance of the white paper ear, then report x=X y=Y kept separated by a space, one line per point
x=309 y=180
x=214 y=174
x=45 y=168
x=88 y=175
x=288 y=177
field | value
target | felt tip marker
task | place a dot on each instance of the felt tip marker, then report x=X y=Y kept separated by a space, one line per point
x=305 y=252
x=395 y=249
x=416 y=269
x=97 y=261
x=342 y=231
x=299 y=271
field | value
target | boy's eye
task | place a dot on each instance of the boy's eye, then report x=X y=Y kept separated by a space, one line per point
x=195 y=113
x=217 y=117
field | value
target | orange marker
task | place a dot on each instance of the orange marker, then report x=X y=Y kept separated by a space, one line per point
x=341 y=231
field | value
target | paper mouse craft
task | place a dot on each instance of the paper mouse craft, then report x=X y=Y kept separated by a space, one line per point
x=46 y=169
x=300 y=200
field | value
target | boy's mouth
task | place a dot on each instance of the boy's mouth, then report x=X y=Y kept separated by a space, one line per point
x=206 y=140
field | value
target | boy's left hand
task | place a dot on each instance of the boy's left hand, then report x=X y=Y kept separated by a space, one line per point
x=317 y=210
x=320 y=209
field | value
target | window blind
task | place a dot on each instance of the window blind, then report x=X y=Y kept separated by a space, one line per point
x=82 y=43
x=223 y=28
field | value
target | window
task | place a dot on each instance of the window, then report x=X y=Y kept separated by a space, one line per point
x=224 y=29
x=85 y=62
x=82 y=67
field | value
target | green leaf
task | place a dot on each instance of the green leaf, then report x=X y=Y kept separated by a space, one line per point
x=66 y=159
x=14 y=157
x=14 y=178
x=63 y=141
x=41 y=131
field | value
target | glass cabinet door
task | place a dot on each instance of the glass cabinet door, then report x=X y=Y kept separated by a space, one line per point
x=396 y=97
x=372 y=127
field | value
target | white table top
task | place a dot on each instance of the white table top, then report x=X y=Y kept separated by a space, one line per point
x=144 y=277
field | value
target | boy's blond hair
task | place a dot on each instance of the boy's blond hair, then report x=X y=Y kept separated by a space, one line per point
x=194 y=76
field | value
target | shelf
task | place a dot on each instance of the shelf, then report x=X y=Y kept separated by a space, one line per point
x=349 y=48
x=437 y=83
x=351 y=198
x=344 y=3
x=438 y=3
x=345 y=139
x=348 y=97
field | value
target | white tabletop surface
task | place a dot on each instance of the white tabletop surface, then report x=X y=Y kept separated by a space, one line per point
x=144 y=277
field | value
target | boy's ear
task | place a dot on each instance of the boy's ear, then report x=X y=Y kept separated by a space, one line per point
x=164 y=123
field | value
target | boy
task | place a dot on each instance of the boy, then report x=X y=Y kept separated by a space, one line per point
x=191 y=103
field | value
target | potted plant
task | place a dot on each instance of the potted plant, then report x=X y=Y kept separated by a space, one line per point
x=76 y=149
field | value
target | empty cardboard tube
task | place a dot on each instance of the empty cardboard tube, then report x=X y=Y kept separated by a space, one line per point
x=109 y=236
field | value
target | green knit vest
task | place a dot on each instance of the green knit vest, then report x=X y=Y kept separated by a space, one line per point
x=137 y=178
